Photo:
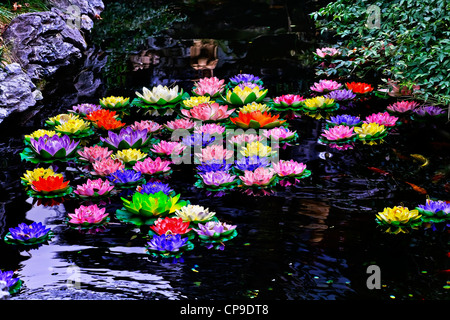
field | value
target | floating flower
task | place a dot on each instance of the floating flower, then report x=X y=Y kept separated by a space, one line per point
x=256 y=148
x=85 y=108
x=214 y=152
x=54 y=147
x=242 y=96
x=288 y=101
x=101 y=114
x=149 y=125
x=279 y=134
x=210 y=128
x=321 y=102
x=324 y=86
x=402 y=106
x=88 y=216
x=160 y=95
x=198 y=139
x=213 y=165
x=327 y=52
x=245 y=78
x=94 y=188
x=151 y=167
x=194 y=213
x=127 y=138
x=339 y=133
x=245 y=138
x=382 y=118
x=215 y=230
x=208 y=112
x=125 y=176
x=186 y=124
x=61 y=118
x=259 y=177
x=12 y=284
x=32 y=234
x=34 y=175
x=257 y=120
x=114 y=102
x=398 y=217
x=109 y=124
x=107 y=166
x=369 y=131
x=251 y=163
x=73 y=127
x=341 y=95
x=217 y=179
x=50 y=185
x=168 y=148
x=129 y=156
x=94 y=153
x=171 y=226
x=195 y=101
x=254 y=106
x=428 y=111
x=167 y=243
x=344 y=119
x=209 y=87
x=40 y=133
x=154 y=187
x=434 y=210
x=289 y=168
x=359 y=87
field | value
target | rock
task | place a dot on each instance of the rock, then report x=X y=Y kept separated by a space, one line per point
x=17 y=91
x=42 y=42
x=91 y=8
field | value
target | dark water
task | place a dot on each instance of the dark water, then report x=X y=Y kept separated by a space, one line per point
x=312 y=241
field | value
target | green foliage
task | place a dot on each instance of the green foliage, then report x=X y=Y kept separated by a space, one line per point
x=412 y=44
x=7 y=12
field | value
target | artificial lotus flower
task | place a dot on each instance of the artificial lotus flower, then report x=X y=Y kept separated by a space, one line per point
x=251 y=163
x=198 y=139
x=40 y=133
x=84 y=108
x=399 y=216
x=12 y=284
x=370 y=130
x=170 y=225
x=214 y=230
x=108 y=124
x=324 y=86
x=114 y=102
x=34 y=233
x=208 y=112
x=186 y=124
x=54 y=147
x=125 y=176
x=195 y=101
x=344 y=119
x=127 y=138
x=88 y=216
x=194 y=213
x=150 y=166
x=160 y=95
x=338 y=133
x=242 y=96
x=209 y=87
x=288 y=100
x=321 y=102
x=153 y=204
x=210 y=128
x=73 y=127
x=382 y=118
x=129 y=156
x=428 y=111
x=214 y=152
x=61 y=118
x=245 y=78
x=34 y=175
x=254 y=106
x=217 y=179
x=101 y=114
x=259 y=177
x=94 y=188
x=154 y=187
x=50 y=185
x=434 y=210
x=359 y=87
x=341 y=95
x=256 y=148
x=402 y=106
x=279 y=134
x=94 y=153
x=168 y=148
x=149 y=125
x=167 y=243
x=213 y=165
x=327 y=52
x=288 y=168
x=106 y=166
x=245 y=138
x=257 y=120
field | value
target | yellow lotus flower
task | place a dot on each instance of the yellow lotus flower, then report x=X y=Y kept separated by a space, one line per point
x=245 y=95
x=61 y=118
x=194 y=213
x=73 y=126
x=129 y=155
x=398 y=215
x=370 y=130
x=114 y=102
x=256 y=148
x=318 y=103
x=254 y=106
x=40 y=133
x=195 y=101
x=34 y=175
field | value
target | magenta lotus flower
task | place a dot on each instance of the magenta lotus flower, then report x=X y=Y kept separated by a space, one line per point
x=260 y=177
x=94 y=153
x=325 y=86
x=107 y=166
x=208 y=112
x=288 y=168
x=402 y=106
x=214 y=152
x=88 y=215
x=209 y=87
x=382 y=118
x=288 y=100
x=338 y=133
x=210 y=128
x=327 y=52
x=94 y=188
x=279 y=134
x=168 y=148
x=150 y=166
x=217 y=178
x=180 y=124
x=149 y=125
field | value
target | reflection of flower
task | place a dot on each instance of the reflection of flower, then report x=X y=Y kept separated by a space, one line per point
x=50 y=185
x=251 y=163
x=382 y=118
x=7 y=278
x=288 y=168
x=149 y=125
x=168 y=148
x=399 y=217
x=208 y=112
x=94 y=188
x=150 y=166
x=187 y=124
x=28 y=234
x=125 y=176
x=54 y=147
x=209 y=87
x=107 y=166
x=256 y=148
x=337 y=133
x=194 y=213
x=154 y=187
x=260 y=177
x=127 y=138
x=402 y=106
x=94 y=153
x=167 y=242
x=325 y=86
x=160 y=95
x=37 y=173
x=129 y=155
x=256 y=120
x=241 y=96
x=217 y=178
x=214 y=229
x=359 y=87
x=171 y=225
x=214 y=152
x=88 y=215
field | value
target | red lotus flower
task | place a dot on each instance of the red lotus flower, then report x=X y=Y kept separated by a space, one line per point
x=256 y=120
x=359 y=87
x=109 y=124
x=51 y=184
x=171 y=225
x=101 y=114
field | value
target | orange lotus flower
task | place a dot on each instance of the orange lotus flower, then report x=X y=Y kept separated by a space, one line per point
x=256 y=120
x=109 y=124
x=359 y=87
x=101 y=114
x=51 y=184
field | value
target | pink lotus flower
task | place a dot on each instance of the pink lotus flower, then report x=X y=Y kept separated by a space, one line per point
x=209 y=87
x=279 y=133
x=94 y=188
x=149 y=125
x=180 y=124
x=168 y=148
x=260 y=177
x=403 y=106
x=208 y=112
x=214 y=152
x=382 y=118
x=94 y=153
x=325 y=86
x=285 y=168
x=288 y=100
x=324 y=52
x=245 y=138
x=150 y=166
x=210 y=128
x=88 y=215
x=107 y=166
x=338 y=133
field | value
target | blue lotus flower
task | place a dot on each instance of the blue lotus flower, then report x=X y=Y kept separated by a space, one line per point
x=198 y=139
x=28 y=233
x=435 y=206
x=344 y=119
x=125 y=176
x=167 y=242
x=245 y=77
x=341 y=95
x=213 y=165
x=7 y=277
x=251 y=163
x=154 y=187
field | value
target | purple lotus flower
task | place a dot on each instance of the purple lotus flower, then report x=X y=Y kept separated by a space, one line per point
x=125 y=176
x=154 y=187
x=7 y=277
x=85 y=108
x=214 y=229
x=251 y=163
x=167 y=242
x=24 y=232
x=127 y=138
x=198 y=139
x=245 y=77
x=217 y=178
x=344 y=119
x=341 y=95
x=54 y=146
x=435 y=206
x=429 y=111
x=213 y=165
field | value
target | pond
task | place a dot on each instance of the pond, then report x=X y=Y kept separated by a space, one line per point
x=310 y=241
